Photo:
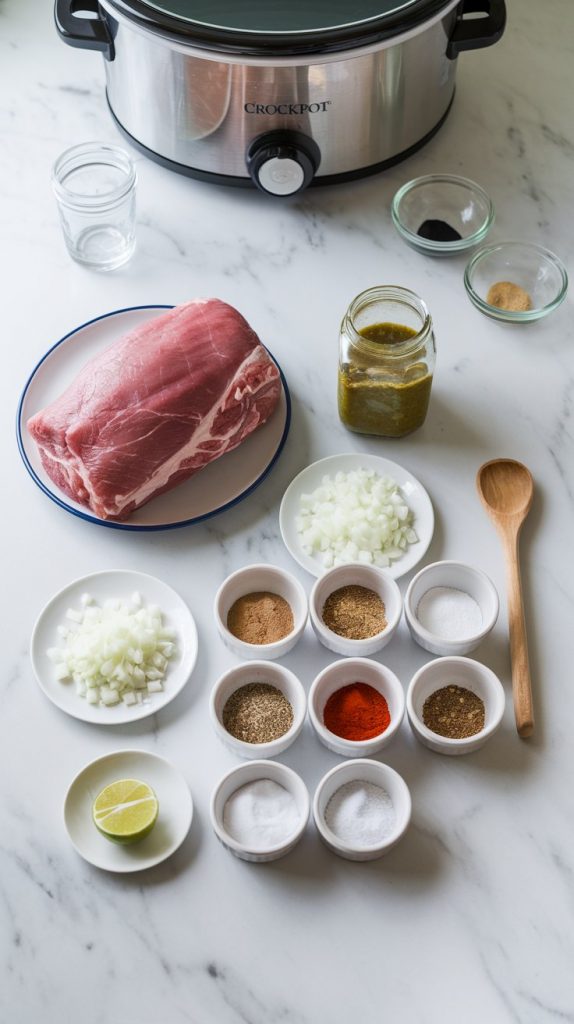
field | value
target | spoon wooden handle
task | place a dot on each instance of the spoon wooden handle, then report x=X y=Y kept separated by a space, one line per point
x=521 y=685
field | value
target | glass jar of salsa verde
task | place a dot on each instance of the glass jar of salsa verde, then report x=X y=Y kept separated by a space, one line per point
x=386 y=362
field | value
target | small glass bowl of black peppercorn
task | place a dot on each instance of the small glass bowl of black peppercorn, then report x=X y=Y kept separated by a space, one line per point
x=442 y=214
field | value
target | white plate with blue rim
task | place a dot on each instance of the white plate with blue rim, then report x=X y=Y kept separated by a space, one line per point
x=219 y=486
x=115 y=584
x=413 y=492
x=174 y=818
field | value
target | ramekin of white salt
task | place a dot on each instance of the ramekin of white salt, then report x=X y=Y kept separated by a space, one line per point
x=361 y=809
x=259 y=810
x=450 y=607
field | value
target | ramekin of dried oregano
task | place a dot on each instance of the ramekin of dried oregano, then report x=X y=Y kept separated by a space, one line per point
x=258 y=709
x=454 y=705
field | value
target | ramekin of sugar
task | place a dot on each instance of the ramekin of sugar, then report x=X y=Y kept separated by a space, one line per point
x=450 y=607
x=259 y=810
x=361 y=809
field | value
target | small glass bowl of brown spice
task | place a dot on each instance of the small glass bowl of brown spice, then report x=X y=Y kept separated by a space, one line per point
x=455 y=705
x=515 y=282
x=258 y=709
x=261 y=611
x=355 y=609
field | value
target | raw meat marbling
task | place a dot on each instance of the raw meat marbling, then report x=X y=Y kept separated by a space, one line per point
x=156 y=406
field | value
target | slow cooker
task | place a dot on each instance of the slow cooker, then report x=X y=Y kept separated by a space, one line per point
x=280 y=94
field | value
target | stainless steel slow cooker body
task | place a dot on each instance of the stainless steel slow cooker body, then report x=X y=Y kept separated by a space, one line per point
x=278 y=120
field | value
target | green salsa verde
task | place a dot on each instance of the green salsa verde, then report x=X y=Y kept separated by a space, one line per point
x=387 y=334
x=388 y=397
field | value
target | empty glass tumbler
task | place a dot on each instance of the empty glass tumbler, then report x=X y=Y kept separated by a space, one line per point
x=95 y=187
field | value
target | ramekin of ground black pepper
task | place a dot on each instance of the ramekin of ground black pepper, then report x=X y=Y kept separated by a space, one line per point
x=455 y=705
x=355 y=609
x=258 y=709
x=261 y=611
x=356 y=706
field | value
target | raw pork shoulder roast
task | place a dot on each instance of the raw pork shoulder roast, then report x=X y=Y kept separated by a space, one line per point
x=156 y=406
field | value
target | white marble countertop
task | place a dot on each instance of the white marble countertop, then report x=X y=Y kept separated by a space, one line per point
x=470 y=918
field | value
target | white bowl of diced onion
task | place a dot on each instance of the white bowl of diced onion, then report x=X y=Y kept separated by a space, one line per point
x=356 y=508
x=114 y=646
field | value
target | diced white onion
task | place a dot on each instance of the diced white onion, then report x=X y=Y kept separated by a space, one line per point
x=117 y=652
x=108 y=697
x=358 y=516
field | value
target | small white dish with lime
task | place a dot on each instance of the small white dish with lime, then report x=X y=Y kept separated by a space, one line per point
x=169 y=826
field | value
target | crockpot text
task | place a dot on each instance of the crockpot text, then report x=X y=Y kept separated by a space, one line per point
x=287 y=108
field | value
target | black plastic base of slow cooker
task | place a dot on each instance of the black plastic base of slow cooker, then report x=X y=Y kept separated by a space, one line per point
x=239 y=182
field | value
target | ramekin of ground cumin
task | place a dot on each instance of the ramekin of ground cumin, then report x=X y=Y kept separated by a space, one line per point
x=258 y=709
x=454 y=704
x=355 y=609
x=261 y=611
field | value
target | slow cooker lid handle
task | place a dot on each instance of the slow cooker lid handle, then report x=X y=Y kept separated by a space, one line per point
x=474 y=33
x=85 y=33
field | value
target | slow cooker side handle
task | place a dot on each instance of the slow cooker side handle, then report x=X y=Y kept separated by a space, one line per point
x=86 y=33
x=474 y=33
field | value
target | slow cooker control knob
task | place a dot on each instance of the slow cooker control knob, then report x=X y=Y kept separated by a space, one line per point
x=282 y=162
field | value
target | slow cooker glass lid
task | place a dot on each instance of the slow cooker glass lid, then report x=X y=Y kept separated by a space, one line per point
x=281 y=17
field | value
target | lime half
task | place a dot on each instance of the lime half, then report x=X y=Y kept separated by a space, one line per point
x=125 y=811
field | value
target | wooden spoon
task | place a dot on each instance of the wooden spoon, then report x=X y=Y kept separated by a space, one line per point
x=506 y=489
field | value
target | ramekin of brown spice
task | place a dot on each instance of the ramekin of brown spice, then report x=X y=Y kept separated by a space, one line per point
x=462 y=678
x=355 y=609
x=268 y=713
x=261 y=611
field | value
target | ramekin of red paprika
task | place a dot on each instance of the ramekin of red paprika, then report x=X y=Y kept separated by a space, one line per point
x=356 y=706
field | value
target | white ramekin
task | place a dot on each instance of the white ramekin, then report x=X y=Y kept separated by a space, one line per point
x=455 y=671
x=458 y=576
x=363 y=576
x=258 y=672
x=342 y=673
x=254 y=578
x=252 y=772
x=365 y=771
